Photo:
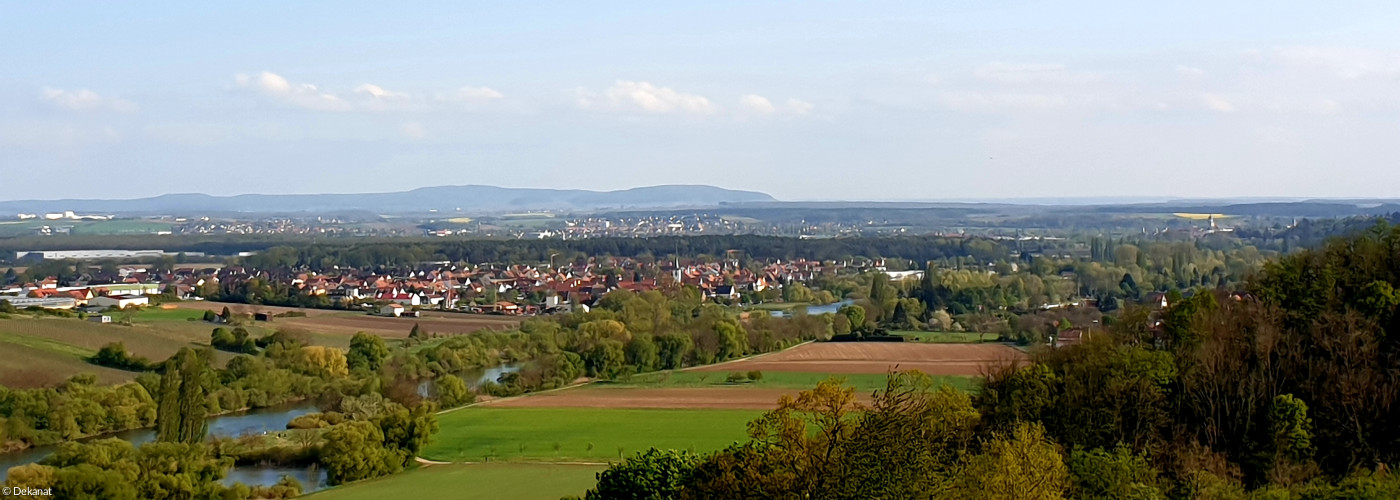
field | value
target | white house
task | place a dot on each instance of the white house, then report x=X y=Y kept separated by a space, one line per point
x=120 y=301
x=391 y=310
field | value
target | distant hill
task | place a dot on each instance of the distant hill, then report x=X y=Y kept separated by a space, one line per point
x=443 y=199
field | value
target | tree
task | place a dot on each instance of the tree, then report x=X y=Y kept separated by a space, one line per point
x=672 y=349
x=881 y=293
x=416 y=333
x=226 y=314
x=210 y=316
x=452 y=391
x=643 y=353
x=367 y=352
x=855 y=315
x=184 y=385
x=1022 y=465
x=652 y=475
x=605 y=359
x=355 y=450
x=1099 y=474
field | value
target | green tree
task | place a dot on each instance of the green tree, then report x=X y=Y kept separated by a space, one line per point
x=1022 y=465
x=643 y=353
x=672 y=349
x=184 y=386
x=452 y=391
x=367 y=352
x=355 y=450
x=651 y=475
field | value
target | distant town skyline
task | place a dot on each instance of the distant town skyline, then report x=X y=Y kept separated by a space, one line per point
x=872 y=101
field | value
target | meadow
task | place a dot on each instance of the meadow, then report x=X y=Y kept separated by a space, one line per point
x=495 y=481
x=480 y=434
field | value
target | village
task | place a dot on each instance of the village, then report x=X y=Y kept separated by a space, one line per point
x=516 y=289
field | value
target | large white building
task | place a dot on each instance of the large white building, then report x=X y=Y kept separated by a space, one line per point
x=96 y=254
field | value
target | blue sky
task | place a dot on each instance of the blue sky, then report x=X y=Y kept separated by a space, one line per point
x=803 y=100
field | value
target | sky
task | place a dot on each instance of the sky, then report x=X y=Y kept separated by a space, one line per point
x=869 y=100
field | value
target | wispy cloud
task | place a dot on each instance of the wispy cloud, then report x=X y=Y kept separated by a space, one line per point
x=470 y=94
x=301 y=95
x=377 y=92
x=85 y=100
x=626 y=95
x=757 y=104
x=1218 y=103
x=799 y=106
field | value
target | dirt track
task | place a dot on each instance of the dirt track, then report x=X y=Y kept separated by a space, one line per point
x=721 y=398
x=880 y=357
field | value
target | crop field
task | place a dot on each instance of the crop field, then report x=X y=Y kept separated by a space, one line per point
x=485 y=433
x=879 y=357
x=863 y=382
x=344 y=324
x=496 y=481
x=42 y=351
x=695 y=398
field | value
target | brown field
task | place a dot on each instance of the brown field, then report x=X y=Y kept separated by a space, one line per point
x=879 y=357
x=27 y=367
x=711 y=398
x=347 y=323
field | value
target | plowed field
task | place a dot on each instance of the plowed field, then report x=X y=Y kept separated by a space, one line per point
x=879 y=357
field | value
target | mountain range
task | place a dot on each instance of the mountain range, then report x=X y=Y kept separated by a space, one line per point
x=474 y=199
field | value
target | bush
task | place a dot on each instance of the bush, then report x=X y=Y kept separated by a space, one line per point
x=736 y=378
x=755 y=375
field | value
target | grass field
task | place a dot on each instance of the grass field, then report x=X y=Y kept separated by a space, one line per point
x=531 y=434
x=497 y=481
x=863 y=382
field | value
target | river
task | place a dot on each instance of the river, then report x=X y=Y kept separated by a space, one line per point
x=475 y=378
x=815 y=310
x=231 y=425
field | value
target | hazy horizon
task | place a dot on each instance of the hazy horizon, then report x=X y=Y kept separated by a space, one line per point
x=875 y=101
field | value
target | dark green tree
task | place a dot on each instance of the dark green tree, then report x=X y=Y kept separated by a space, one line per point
x=182 y=407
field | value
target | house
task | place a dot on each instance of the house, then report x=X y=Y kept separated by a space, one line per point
x=1071 y=337
x=391 y=310
x=404 y=299
x=262 y=316
x=101 y=318
x=120 y=301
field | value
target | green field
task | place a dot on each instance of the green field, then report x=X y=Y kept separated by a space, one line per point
x=863 y=382
x=475 y=481
x=946 y=337
x=530 y=434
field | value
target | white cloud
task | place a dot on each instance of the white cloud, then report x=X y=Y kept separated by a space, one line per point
x=378 y=92
x=85 y=100
x=1032 y=74
x=799 y=106
x=1218 y=103
x=302 y=95
x=1189 y=71
x=757 y=103
x=643 y=96
x=470 y=94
